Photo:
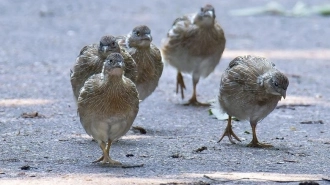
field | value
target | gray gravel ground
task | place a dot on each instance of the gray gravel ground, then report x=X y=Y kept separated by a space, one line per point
x=40 y=40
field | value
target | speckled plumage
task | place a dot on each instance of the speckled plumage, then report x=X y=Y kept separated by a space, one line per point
x=91 y=58
x=147 y=56
x=250 y=89
x=194 y=45
x=108 y=104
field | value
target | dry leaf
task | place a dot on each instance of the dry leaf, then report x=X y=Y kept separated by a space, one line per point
x=32 y=115
x=312 y=122
x=247 y=132
x=140 y=129
x=201 y=149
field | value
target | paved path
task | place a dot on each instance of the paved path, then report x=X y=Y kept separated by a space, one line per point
x=40 y=40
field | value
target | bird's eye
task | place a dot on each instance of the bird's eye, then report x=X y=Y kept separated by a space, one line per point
x=276 y=84
x=138 y=33
x=113 y=43
x=110 y=61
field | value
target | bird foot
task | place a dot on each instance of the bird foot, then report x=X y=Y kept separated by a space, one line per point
x=180 y=84
x=98 y=160
x=259 y=145
x=229 y=132
x=111 y=162
x=194 y=102
x=107 y=160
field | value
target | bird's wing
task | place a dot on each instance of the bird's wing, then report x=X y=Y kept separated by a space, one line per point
x=259 y=65
x=90 y=90
x=134 y=93
x=87 y=49
x=155 y=52
x=182 y=28
x=185 y=34
x=241 y=77
x=88 y=99
x=87 y=55
x=130 y=65
x=121 y=40
x=240 y=74
x=87 y=63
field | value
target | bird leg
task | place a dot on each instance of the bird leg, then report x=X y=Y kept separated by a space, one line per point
x=255 y=142
x=103 y=146
x=229 y=132
x=193 y=99
x=106 y=157
x=180 y=84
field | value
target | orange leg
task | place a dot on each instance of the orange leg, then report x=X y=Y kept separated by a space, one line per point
x=106 y=157
x=229 y=132
x=180 y=84
x=255 y=142
x=193 y=99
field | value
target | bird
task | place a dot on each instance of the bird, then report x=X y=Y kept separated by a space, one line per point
x=194 y=45
x=147 y=56
x=250 y=89
x=108 y=104
x=90 y=61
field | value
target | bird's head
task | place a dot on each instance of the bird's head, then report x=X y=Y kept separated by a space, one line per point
x=278 y=84
x=114 y=64
x=108 y=44
x=140 y=37
x=205 y=17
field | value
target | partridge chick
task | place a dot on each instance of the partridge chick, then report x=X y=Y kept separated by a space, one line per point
x=108 y=104
x=90 y=62
x=194 y=45
x=250 y=89
x=147 y=57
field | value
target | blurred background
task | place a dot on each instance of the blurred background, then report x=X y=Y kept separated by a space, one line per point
x=42 y=38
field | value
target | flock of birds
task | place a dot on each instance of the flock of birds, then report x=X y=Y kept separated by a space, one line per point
x=111 y=78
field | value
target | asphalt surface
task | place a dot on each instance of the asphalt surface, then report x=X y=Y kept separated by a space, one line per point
x=40 y=40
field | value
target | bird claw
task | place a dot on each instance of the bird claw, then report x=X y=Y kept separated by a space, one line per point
x=180 y=84
x=107 y=160
x=193 y=101
x=259 y=145
x=98 y=160
x=229 y=132
x=111 y=162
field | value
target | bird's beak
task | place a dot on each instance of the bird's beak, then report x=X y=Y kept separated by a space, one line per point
x=283 y=93
x=209 y=13
x=147 y=37
x=119 y=65
x=105 y=48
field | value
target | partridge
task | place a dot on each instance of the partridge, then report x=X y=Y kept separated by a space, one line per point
x=147 y=56
x=194 y=45
x=90 y=62
x=250 y=89
x=108 y=104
